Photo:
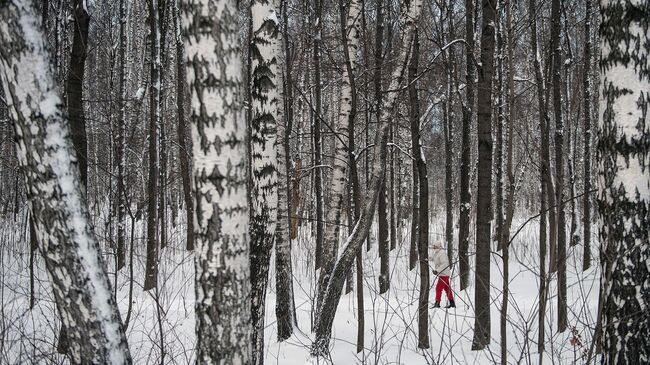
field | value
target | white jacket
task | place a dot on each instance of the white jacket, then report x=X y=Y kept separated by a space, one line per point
x=441 y=262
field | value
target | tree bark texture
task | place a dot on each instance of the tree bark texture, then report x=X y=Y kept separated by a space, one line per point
x=484 y=192
x=45 y=151
x=222 y=279
x=623 y=196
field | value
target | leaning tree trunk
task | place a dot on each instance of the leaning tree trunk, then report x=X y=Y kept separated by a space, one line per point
x=82 y=290
x=408 y=19
x=267 y=108
x=556 y=46
x=341 y=140
x=222 y=279
x=484 y=191
x=468 y=110
x=74 y=95
x=623 y=185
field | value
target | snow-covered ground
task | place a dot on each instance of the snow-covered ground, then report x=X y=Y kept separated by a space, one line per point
x=28 y=336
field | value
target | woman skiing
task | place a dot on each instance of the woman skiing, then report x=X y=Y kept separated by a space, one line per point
x=442 y=268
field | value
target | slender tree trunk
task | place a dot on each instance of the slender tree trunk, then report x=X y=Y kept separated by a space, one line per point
x=484 y=192
x=347 y=111
x=448 y=130
x=543 y=172
x=504 y=239
x=408 y=20
x=55 y=192
x=468 y=110
x=184 y=146
x=153 y=193
x=586 y=157
x=556 y=47
x=382 y=216
x=318 y=174
x=74 y=87
x=415 y=211
x=285 y=307
x=285 y=304
x=623 y=197
x=267 y=114
x=223 y=320
x=121 y=142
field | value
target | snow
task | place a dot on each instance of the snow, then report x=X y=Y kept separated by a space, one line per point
x=140 y=93
x=390 y=320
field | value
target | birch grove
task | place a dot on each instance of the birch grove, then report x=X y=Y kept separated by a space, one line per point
x=314 y=182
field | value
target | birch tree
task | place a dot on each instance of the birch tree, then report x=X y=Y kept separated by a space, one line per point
x=82 y=291
x=267 y=104
x=215 y=78
x=623 y=196
x=409 y=15
x=330 y=247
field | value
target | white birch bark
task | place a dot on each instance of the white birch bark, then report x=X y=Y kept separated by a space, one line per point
x=44 y=148
x=267 y=105
x=623 y=197
x=222 y=282
x=409 y=15
x=330 y=247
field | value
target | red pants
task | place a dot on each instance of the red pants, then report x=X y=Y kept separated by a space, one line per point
x=443 y=284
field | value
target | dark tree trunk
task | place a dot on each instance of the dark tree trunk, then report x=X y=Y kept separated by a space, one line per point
x=318 y=175
x=184 y=145
x=423 y=214
x=543 y=175
x=153 y=191
x=586 y=157
x=484 y=192
x=556 y=46
x=74 y=88
x=468 y=110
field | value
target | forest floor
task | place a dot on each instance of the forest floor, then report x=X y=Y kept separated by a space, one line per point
x=29 y=336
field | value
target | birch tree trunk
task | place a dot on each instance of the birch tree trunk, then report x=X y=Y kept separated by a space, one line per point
x=223 y=319
x=623 y=184
x=484 y=191
x=409 y=15
x=267 y=108
x=341 y=155
x=82 y=290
